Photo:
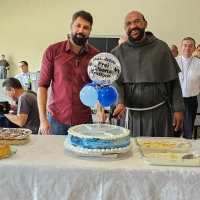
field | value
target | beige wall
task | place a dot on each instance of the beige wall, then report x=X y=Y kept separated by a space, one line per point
x=29 y=26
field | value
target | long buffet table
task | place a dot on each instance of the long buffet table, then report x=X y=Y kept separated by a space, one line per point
x=43 y=169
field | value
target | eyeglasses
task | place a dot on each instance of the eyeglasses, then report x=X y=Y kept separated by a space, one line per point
x=22 y=65
x=135 y=22
x=6 y=93
x=189 y=46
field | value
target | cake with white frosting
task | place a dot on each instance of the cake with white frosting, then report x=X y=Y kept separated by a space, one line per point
x=98 y=139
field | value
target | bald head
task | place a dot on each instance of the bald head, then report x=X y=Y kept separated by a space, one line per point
x=139 y=14
x=122 y=39
x=135 y=25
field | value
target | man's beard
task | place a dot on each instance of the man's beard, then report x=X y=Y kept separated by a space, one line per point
x=79 y=41
x=139 y=37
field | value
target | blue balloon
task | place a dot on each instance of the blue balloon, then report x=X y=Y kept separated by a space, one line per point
x=89 y=95
x=107 y=96
x=90 y=84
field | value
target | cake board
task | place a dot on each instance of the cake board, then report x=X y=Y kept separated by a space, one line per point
x=111 y=155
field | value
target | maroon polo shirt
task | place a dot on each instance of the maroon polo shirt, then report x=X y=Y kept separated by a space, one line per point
x=67 y=78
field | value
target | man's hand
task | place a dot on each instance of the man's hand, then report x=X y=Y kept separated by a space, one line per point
x=102 y=116
x=119 y=111
x=45 y=127
x=100 y=113
x=178 y=120
x=13 y=107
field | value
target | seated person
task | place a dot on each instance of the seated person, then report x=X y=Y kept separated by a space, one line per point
x=27 y=111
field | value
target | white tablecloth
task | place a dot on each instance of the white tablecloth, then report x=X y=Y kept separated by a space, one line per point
x=43 y=169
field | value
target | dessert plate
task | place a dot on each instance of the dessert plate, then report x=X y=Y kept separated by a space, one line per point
x=13 y=151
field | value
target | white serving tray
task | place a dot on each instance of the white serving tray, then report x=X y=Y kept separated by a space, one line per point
x=168 y=158
x=162 y=144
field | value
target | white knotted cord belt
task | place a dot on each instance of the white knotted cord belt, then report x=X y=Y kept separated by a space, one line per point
x=139 y=109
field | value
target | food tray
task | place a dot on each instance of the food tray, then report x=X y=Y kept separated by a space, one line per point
x=14 y=136
x=162 y=143
x=13 y=151
x=168 y=158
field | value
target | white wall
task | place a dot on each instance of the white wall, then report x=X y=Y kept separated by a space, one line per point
x=29 y=26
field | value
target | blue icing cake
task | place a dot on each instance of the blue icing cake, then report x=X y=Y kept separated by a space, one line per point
x=96 y=138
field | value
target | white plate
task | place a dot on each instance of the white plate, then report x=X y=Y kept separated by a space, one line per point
x=168 y=158
x=162 y=144
x=13 y=151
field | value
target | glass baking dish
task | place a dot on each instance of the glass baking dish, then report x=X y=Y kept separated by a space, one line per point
x=162 y=143
x=168 y=158
x=14 y=136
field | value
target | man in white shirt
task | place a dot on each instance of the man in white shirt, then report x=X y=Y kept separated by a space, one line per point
x=190 y=83
x=23 y=76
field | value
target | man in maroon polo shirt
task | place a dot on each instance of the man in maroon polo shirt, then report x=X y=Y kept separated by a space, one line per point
x=64 y=66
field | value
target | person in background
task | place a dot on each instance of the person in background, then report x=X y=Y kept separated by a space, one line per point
x=122 y=39
x=190 y=83
x=64 y=66
x=4 y=65
x=198 y=51
x=24 y=75
x=148 y=85
x=174 y=50
x=27 y=110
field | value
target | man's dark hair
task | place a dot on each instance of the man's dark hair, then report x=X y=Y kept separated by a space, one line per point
x=189 y=38
x=11 y=83
x=198 y=46
x=83 y=14
x=24 y=62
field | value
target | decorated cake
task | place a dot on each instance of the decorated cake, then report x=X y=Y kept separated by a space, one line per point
x=15 y=136
x=4 y=150
x=98 y=139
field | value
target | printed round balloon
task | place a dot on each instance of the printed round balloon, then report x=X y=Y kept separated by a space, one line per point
x=104 y=68
x=89 y=95
x=107 y=96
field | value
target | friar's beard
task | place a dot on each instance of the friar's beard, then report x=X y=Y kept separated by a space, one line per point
x=139 y=37
x=79 y=41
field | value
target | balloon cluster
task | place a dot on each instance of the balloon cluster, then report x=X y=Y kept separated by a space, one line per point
x=103 y=69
